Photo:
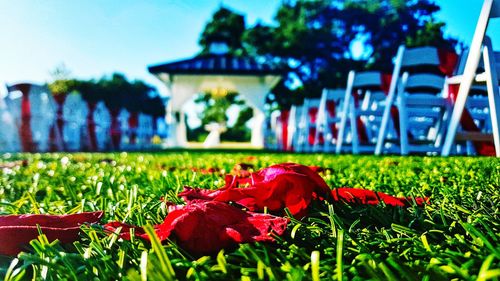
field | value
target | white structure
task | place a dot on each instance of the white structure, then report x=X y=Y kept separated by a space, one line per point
x=213 y=138
x=418 y=94
x=123 y=117
x=331 y=109
x=217 y=73
x=364 y=105
x=480 y=46
x=75 y=112
x=32 y=109
x=9 y=134
x=102 y=121
x=145 y=130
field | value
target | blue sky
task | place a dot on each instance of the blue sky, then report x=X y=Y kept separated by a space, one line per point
x=93 y=38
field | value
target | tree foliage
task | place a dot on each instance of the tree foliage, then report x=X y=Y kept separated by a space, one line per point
x=225 y=25
x=315 y=40
x=116 y=91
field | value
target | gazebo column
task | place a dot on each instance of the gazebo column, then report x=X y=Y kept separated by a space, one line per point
x=257 y=139
x=177 y=129
x=181 y=130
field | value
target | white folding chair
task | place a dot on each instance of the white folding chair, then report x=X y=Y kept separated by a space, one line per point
x=328 y=120
x=75 y=112
x=102 y=120
x=307 y=131
x=123 y=117
x=417 y=84
x=281 y=125
x=364 y=107
x=480 y=46
x=145 y=130
x=33 y=109
x=9 y=134
x=474 y=133
x=270 y=132
x=294 y=141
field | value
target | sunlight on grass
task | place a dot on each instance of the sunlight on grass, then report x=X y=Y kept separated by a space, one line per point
x=455 y=236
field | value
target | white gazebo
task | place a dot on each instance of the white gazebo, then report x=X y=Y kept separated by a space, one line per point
x=216 y=72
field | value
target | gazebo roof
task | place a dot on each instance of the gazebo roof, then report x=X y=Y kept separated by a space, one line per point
x=214 y=64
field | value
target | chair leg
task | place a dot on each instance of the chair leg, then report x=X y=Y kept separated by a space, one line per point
x=403 y=127
x=346 y=113
x=493 y=93
x=354 y=128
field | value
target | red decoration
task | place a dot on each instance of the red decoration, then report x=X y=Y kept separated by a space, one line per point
x=369 y=197
x=222 y=225
x=287 y=185
x=312 y=135
x=133 y=123
x=283 y=119
x=25 y=127
x=57 y=128
x=313 y=114
x=467 y=122
x=331 y=108
x=115 y=130
x=447 y=63
x=16 y=231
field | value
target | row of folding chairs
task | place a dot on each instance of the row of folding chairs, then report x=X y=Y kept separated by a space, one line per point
x=34 y=120
x=406 y=112
x=432 y=103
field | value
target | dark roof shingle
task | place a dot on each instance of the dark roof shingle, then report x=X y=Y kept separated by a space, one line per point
x=216 y=65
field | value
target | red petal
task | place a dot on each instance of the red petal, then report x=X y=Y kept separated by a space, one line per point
x=205 y=227
x=284 y=185
x=16 y=231
x=369 y=197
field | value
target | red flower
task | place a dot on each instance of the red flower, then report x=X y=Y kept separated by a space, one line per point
x=287 y=185
x=205 y=227
x=369 y=197
x=16 y=231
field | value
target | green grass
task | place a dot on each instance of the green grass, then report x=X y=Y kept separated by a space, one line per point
x=456 y=236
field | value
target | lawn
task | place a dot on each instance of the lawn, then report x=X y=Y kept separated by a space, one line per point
x=455 y=236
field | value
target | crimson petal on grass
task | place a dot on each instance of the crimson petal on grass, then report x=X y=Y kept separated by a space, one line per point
x=16 y=231
x=205 y=227
x=370 y=197
x=291 y=186
x=280 y=186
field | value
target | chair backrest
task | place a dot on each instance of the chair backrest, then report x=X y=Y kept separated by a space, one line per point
x=75 y=109
x=294 y=126
x=102 y=117
x=495 y=9
x=418 y=57
x=123 y=118
x=330 y=103
x=310 y=111
x=9 y=134
x=421 y=66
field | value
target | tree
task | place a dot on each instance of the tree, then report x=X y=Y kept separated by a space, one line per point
x=225 y=25
x=116 y=91
x=313 y=40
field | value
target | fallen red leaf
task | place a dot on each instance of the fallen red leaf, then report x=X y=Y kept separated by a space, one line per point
x=370 y=197
x=287 y=185
x=16 y=231
x=205 y=227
